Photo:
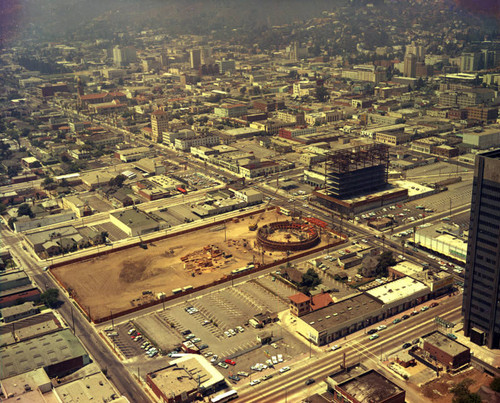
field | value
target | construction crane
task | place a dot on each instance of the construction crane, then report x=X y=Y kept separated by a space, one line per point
x=255 y=225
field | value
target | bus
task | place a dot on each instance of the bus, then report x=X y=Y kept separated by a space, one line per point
x=176 y=290
x=284 y=211
x=225 y=397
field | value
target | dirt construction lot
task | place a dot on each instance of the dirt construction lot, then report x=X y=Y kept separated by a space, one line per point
x=125 y=279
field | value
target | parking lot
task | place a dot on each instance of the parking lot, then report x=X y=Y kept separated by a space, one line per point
x=123 y=341
x=219 y=324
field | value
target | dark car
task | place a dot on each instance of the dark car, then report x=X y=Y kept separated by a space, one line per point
x=406 y=345
x=405 y=317
x=310 y=381
x=186 y=332
x=234 y=377
x=434 y=304
x=372 y=331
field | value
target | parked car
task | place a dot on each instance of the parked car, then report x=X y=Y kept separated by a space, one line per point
x=434 y=304
x=372 y=331
x=451 y=336
x=397 y=320
x=335 y=347
x=254 y=382
x=382 y=327
x=229 y=361
x=406 y=345
x=223 y=365
x=404 y=317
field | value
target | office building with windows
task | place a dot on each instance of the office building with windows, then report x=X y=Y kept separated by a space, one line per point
x=481 y=300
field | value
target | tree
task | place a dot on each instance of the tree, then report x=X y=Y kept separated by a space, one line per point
x=420 y=83
x=24 y=209
x=310 y=279
x=461 y=393
x=384 y=261
x=50 y=297
x=321 y=93
x=117 y=181
x=495 y=384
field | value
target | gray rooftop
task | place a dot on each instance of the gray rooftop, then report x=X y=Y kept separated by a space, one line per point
x=370 y=387
x=342 y=312
x=41 y=352
x=134 y=218
x=445 y=344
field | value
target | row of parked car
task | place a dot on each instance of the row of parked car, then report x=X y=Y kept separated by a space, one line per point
x=147 y=346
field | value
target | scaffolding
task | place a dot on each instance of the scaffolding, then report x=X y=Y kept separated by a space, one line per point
x=347 y=171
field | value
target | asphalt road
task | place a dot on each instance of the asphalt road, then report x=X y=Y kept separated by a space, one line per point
x=291 y=385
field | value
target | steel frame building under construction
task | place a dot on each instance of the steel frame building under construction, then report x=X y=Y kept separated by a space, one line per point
x=356 y=171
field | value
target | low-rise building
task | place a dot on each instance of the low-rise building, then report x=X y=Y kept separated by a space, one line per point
x=448 y=352
x=340 y=319
x=16 y=312
x=482 y=138
x=134 y=222
x=58 y=353
x=400 y=294
x=357 y=386
x=185 y=379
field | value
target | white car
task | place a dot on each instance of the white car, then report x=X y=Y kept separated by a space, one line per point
x=381 y=327
x=284 y=369
x=254 y=382
x=335 y=347
x=240 y=329
x=280 y=357
x=275 y=360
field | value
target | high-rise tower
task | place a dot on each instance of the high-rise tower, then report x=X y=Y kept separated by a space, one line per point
x=159 y=123
x=481 y=300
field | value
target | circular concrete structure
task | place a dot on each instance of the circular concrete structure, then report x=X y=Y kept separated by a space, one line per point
x=288 y=235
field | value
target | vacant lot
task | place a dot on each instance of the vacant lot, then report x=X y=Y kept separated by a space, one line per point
x=118 y=281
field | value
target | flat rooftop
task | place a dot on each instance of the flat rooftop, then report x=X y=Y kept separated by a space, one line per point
x=405 y=287
x=94 y=387
x=134 y=218
x=185 y=374
x=370 y=387
x=341 y=312
x=40 y=352
x=445 y=344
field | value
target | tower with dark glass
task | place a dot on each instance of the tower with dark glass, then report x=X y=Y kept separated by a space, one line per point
x=481 y=299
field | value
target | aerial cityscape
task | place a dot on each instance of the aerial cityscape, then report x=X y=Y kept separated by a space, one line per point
x=258 y=201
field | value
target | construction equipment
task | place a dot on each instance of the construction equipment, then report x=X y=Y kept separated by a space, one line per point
x=255 y=225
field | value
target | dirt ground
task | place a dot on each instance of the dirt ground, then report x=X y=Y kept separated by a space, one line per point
x=437 y=391
x=118 y=281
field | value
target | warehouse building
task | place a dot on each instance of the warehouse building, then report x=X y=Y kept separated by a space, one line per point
x=357 y=312
x=57 y=353
x=134 y=222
